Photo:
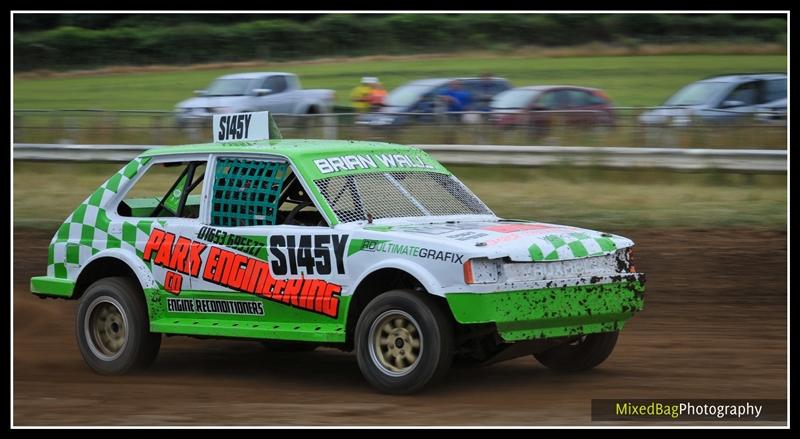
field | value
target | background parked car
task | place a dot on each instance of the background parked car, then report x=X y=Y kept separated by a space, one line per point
x=722 y=98
x=277 y=92
x=774 y=111
x=421 y=97
x=542 y=106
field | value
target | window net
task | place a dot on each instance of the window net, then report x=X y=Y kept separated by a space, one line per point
x=246 y=192
x=398 y=194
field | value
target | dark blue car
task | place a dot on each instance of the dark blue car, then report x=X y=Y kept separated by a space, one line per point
x=421 y=97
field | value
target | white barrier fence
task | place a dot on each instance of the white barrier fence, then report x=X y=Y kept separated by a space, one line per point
x=747 y=160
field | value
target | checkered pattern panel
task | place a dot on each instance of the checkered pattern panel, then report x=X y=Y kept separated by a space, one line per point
x=86 y=231
x=570 y=246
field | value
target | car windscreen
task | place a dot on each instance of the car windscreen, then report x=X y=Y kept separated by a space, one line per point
x=514 y=98
x=698 y=93
x=405 y=95
x=398 y=195
x=228 y=87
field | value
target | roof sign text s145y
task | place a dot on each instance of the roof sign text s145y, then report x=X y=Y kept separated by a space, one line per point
x=237 y=127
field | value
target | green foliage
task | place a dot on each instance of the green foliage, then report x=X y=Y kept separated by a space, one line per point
x=93 y=40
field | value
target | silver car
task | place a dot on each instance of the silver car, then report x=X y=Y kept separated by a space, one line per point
x=722 y=98
x=276 y=92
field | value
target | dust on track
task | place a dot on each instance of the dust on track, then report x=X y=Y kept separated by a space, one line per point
x=714 y=326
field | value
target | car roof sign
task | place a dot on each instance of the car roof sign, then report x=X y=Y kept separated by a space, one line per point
x=237 y=127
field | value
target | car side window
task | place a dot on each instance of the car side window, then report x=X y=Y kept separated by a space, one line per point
x=594 y=99
x=276 y=83
x=253 y=192
x=561 y=99
x=774 y=89
x=295 y=206
x=166 y=190
x=746 y=93
x=470 y=86
x=547 y=101
x=482 y=92
x=245 y=192
x=578 y=98
x=500 y=86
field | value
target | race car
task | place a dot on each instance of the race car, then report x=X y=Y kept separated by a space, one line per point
x=368 y=247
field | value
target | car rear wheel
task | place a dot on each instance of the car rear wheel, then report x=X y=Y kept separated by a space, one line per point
x=583 y=353
x=404 y=342
x=113 y=328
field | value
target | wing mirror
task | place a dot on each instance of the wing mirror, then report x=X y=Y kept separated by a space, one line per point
x=262 y=91
x=200 y=92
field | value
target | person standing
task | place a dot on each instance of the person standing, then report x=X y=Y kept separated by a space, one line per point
x=457 y=99
x=361 y=94
x=376 y=95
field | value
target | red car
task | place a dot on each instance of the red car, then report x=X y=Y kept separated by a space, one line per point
x=546 y=105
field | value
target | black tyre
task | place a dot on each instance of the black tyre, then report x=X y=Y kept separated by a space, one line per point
x=403 y=342
x=287 y=346
x=113 y=329
x=582 y=354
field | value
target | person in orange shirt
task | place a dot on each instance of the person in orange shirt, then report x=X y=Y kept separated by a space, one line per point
x=376 y=95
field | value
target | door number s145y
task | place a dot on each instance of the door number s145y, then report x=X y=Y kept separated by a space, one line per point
x=308 y=254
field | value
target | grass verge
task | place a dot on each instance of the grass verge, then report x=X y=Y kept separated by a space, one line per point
x=45 y=193
x=638 y=78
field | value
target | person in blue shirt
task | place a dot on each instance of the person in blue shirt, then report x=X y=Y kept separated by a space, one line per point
x=456 y=97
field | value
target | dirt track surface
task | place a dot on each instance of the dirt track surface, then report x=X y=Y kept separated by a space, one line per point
x=714 y=326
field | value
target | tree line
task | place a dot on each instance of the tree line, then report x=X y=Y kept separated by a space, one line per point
x=51 y=41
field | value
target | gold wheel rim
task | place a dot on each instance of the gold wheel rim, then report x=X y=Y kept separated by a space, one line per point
x=396 y=343
x=106 y=328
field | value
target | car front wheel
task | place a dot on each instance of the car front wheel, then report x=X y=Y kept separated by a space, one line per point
x=113 y=329
x=404 y=342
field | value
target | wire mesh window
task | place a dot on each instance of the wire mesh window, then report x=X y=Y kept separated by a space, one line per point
x=398 y=194
x=246 y=192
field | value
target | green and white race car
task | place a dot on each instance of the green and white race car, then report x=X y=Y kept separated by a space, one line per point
x=369 y=247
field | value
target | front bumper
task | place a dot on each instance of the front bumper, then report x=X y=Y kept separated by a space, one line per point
x=52 y=286
x=553 y=312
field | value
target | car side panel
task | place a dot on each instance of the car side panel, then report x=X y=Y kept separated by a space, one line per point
x=262 y=282
x=89 y=229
